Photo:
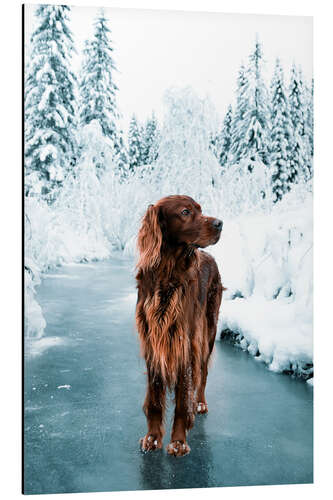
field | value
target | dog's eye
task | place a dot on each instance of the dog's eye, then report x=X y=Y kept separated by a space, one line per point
x=185 y=212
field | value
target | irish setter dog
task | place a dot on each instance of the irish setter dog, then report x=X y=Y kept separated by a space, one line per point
x=179 y=295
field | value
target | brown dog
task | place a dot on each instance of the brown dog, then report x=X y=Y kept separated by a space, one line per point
x=179 y=295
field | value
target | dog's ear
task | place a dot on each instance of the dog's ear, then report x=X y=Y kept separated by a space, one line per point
x=150 y=239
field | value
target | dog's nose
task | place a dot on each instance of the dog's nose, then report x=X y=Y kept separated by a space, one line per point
x=218 y=224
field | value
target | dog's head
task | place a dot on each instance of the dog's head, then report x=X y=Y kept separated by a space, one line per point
x=175 y=221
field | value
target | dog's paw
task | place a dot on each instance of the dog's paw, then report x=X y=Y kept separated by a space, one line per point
x=202 y=407
x=178 y=448
x=150 y=443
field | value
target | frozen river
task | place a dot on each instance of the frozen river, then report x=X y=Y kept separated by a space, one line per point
x=84 y=391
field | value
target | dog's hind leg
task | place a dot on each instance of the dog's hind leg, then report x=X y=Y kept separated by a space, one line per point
x=213 y=305
x=202 y=406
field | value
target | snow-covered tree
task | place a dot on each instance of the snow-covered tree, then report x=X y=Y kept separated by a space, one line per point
x=134 y=144
x=120 y=156
x=97 y=86
x=50 y=146
x=185 y=163
x=245 y=191
x=150 y=140
x=242 y=103
x=307 y=128
x=252 y=129
x=309 y=118
x=301 y=148
x=98 y=89
x=308 y=124
x=257 y=115
x=222 y=141
x=281 y=136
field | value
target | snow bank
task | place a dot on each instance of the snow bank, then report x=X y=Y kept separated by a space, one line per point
x=34 y=322
x=272 y=331
x=266 y=264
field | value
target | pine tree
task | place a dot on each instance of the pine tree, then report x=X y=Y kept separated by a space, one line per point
x=97 y=86
x=120 y=157
x=310 y=119
x=257 y=115
x=50 y=145
x=141 y=137
x=300 y=150
x=242 y=102
x=308 y=102
x=134 y=144
x=281 y=135
x=223 y=140
x=253 y=127
x=306 y=135
x=150 y=138
x=98 y=89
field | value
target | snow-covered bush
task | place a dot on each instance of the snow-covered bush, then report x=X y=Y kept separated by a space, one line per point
x=34 y=322
x=244 y=191
x=123 y=205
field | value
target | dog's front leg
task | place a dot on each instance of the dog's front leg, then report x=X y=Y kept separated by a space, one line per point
x=184 y=415
x=154 y=409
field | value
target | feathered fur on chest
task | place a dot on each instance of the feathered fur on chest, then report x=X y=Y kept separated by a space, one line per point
x=165 y=339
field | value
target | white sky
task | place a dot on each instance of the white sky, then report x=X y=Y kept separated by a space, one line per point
x=154 y=50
